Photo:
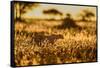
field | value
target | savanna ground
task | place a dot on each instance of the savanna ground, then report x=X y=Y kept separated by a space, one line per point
x=40 y=42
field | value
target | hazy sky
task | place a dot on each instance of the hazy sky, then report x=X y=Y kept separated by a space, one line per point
x=74 y=10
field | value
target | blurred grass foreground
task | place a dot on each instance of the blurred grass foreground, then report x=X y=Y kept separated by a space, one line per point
x=54 y=34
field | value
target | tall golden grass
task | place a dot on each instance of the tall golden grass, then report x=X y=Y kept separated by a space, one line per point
x=75 y=46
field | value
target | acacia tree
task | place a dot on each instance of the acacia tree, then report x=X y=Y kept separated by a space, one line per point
x=87 y=15
x=52 y=12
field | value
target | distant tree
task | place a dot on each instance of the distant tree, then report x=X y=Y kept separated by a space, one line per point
x=52 y=12
x=68 y=22
x=87 y=15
